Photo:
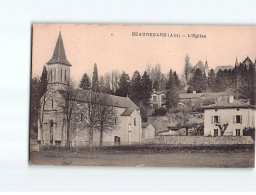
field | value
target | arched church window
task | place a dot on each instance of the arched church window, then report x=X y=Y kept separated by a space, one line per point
x=65 y=76
x=54 y=74
x=61 y=75
x=51 y=75
x=135 y=121
x=52 y=103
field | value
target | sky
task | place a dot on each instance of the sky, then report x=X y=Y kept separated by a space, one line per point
x=112 y=47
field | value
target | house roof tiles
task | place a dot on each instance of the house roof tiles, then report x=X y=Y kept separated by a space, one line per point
x=234 y=104
x=115 y=101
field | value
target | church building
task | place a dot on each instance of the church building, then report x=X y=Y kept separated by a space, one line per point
x=53 y=128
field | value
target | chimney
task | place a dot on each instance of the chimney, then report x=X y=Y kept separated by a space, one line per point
x=194 y=91
x=231 y=99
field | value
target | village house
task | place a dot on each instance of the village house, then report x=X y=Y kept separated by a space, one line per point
x=158 y=99
x=233 y=114
x=53 y=130
x=148 y=131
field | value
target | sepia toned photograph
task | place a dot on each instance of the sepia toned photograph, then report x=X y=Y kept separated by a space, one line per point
x=143 y=95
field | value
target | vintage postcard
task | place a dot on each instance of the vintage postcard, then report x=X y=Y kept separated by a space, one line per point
x=143 y=95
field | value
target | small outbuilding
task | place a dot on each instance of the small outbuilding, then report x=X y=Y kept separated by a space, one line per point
x=148 y=131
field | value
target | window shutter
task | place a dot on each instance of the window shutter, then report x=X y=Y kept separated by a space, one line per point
x=234 y=119
x=241 y=119
x=212 y=120
x=219 y=120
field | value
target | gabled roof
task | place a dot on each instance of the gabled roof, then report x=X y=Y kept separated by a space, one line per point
x=145 y=124
x=190 y=95
x=59 y=56
x=218 y=94
x=199 y=65
x=115 y=101
x=127 y=112
x=234 y=104
x=247 y=61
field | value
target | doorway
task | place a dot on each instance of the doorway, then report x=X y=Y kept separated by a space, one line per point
x=215 y=132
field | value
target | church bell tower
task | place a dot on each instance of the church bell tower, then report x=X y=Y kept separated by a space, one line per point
x=58 y=67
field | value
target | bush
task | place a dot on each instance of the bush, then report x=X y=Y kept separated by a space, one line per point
x=249 y=131
x=159 y=111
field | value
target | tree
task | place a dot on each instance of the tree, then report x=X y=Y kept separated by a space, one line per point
x=34 y=105
x=198 y=82
x=89 y=114
x=85 y=82
x=222 y=128
x=172 y=94
x=68 y=107
x=212 y=80
x=104 y=87
x=115 y=77
x=158 y=79
x=146 y=88
x=252 y=83
x=249 y=131
x=43 y=82
x=187 y=68
x=95 y=79
x=136 y=87
x=107 y=81
x=45 y=94
x=106 y=116
x=176 y=80
x=124 y=85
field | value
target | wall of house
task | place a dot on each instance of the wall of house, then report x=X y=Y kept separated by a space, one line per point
x=148 y=133
x=121 y=130
x=227 y=116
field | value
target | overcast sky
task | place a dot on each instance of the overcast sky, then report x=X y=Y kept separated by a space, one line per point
x=114 y=47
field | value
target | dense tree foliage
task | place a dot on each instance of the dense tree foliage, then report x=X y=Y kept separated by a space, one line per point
x=95 y=79
x=136 y=87
x=124 y=85
x=172 y=87
x=85 y=82
x=146 y=88
x=187 y=68
x=198 y=82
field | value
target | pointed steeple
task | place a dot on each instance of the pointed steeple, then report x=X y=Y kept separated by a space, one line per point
x=206 y=69
x=59 y=56
x=236 y=63
x=206 y=64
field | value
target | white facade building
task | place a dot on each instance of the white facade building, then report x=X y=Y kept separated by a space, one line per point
x=235 y=114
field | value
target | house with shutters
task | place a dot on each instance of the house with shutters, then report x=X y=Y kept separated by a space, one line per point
x=158 y=99
x=234 y=114
x=53 y=130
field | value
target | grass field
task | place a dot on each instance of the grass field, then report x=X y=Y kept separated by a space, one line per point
x=148 y=156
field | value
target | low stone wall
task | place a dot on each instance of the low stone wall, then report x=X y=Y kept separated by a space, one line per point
x=201 y=140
